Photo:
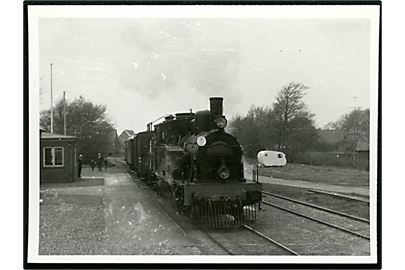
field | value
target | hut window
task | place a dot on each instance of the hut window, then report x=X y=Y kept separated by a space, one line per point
x=53 y=157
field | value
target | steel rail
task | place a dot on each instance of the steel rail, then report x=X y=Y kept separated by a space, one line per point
x=357 y=199
x=318 y=220
x=318 y=207
x=200 y=227
x=271 y=240
x=218 y=243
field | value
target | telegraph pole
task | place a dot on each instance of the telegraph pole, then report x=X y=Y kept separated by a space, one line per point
x=356 y=128
x=64 y=113
x=354 y=103
x=51 y=103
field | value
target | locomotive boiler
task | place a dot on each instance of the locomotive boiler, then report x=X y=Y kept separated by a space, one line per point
x=191 y=158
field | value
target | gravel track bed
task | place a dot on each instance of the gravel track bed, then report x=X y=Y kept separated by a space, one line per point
x=308 y=237
x=355 y=208
x=343 y=222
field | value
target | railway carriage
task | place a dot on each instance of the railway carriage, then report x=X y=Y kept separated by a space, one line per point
x=142 y=160
x=129 y=150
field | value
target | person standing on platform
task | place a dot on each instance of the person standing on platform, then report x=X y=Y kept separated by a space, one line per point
x=79 y=166
x=100 y=162
x=92 y=164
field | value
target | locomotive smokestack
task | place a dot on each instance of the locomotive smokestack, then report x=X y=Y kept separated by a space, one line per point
x=216 y=107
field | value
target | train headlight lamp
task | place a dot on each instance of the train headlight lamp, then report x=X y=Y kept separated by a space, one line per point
x=221 y=122
x=223 y=172
x=201 y=141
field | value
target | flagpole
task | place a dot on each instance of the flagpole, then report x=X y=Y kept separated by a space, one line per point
x=51 y=103
x=64 y=113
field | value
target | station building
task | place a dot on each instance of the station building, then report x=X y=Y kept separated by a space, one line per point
x=58 y=158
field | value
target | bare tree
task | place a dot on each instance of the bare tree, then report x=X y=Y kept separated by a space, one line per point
x=355 y=125
x=288 y=105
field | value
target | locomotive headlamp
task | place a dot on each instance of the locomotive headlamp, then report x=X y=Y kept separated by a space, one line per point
x=221 y=122
x=223 y=172
x=201 y=141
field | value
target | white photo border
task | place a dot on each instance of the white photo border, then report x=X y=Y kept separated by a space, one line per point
x=35 y=12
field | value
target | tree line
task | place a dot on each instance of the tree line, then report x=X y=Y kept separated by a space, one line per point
x=288 y=125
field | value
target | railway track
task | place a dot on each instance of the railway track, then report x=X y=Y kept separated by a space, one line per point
x=234 y=248
x=271 y=240
x=315 y=219
x=340 y=195
x=231 y=247
x=218 y=243
x=242 y=241
x=318 y=207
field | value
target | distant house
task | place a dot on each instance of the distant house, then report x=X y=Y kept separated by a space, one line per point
x=58 y=158
x=356 y=148
x=125 y=135
x=348 y=145
x=363 y=150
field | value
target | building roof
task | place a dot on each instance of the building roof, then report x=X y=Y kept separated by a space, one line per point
x=129 y=132
x=130 y=137
x=47 y=135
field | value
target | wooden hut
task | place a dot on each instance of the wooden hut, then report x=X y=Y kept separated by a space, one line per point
x=58 y=158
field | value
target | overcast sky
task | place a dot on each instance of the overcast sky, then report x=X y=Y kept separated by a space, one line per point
x=144 y=68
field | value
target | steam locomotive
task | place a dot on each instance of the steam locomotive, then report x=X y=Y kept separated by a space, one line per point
x=190 y=158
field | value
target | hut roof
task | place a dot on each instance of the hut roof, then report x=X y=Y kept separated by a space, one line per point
x=47 y=135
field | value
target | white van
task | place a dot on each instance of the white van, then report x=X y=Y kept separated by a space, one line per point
x=271 y=158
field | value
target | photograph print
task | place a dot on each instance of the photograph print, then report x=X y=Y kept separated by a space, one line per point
x=202 y=135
